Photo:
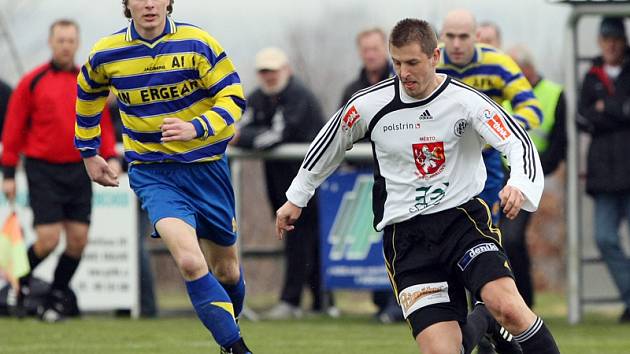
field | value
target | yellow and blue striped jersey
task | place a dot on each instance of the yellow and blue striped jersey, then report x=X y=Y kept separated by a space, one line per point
x=495 y=74
x=183 y=73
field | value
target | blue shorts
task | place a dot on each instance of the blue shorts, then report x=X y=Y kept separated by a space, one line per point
x=200 y=194
x=494 y=182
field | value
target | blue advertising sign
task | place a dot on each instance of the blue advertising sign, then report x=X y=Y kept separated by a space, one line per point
x=352 y=251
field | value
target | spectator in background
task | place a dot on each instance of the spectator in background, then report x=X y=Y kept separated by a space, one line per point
x=5 y=93
x=40 y=125
x=551 y=142
x=372 y=46
x=489 y=33
x=604 y=113
x=282 y=110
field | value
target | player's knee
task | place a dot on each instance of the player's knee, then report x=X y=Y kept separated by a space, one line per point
x=48 y=243
x=440 y=347
x=227 y=272
x=508 y=309
x=191 y=267
x=76 y=245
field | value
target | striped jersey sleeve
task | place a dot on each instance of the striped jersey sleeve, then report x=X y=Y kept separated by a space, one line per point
x=495 y=74
x=326 y=152
x=503 y=132
x=517 y=90
x=184 y=74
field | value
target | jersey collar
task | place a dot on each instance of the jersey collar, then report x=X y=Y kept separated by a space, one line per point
x=132 y=34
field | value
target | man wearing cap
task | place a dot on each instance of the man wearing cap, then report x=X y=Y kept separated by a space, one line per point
x=283 y=110
x=604 y=113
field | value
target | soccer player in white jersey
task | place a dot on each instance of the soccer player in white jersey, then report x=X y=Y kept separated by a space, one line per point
x=438 y=236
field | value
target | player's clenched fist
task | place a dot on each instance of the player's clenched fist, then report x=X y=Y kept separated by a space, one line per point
x=511 y=200
x=175 y=129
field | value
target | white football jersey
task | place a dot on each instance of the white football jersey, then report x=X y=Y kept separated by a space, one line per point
x=427 y=152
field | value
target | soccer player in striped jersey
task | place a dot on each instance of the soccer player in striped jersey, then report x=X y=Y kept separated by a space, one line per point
x=179 y=96
x=427 y=132
x=495 y=74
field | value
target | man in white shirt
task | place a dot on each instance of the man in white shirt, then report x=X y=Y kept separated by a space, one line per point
x=438 y=237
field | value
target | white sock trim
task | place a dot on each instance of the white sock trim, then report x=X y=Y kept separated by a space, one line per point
x=530 y=332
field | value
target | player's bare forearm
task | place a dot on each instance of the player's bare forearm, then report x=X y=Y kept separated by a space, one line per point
x=100 y=172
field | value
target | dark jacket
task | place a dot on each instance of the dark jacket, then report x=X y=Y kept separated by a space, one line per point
x=292 y=116
x=608 y=169
x=362 y=82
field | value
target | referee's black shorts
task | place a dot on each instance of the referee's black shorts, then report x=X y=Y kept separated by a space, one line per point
x=58 y=192
x=431 y=260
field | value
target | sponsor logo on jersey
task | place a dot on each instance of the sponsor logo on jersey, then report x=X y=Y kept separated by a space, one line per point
x=425 y=115
x=496 y=124
x=351 y=117
x=418 y=296
x=394 y=127
x=428 y=196
x=429 y=158
x=472 y=253
x=460 y=127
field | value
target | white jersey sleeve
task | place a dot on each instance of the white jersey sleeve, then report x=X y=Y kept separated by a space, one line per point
x=501 y=131
x=326 y=152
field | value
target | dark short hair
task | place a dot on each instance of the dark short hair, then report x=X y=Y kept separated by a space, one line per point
x=411 y=30
x=612 y=27
x=127 y=12
x=62 y=23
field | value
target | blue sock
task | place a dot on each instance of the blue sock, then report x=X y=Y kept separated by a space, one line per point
x=236 y=293
x=214 y=309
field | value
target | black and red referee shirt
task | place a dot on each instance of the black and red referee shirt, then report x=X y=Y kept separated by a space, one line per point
x=40 y=120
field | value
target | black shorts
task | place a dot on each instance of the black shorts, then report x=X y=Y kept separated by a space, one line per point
x=431 y=260
x=58 y=192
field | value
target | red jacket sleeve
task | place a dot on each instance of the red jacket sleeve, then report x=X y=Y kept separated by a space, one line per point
x=15 y=126
x=108 y=136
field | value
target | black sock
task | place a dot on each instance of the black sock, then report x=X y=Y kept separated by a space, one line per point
x=239 y=348
x=63 y=273
x=476 y=326
x=33 y=261
x=537 y=339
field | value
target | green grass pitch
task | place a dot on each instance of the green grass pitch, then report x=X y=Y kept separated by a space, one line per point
x=351 y=334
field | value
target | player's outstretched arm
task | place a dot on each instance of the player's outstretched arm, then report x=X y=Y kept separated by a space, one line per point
x=286 y=216
x=100 y=171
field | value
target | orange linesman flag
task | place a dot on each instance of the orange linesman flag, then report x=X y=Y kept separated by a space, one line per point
x=13 y=259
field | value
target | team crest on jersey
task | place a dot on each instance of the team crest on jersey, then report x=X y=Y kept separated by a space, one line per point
x=496 y=124
x=429 y=158
x=351 y=117
x=460 y=127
